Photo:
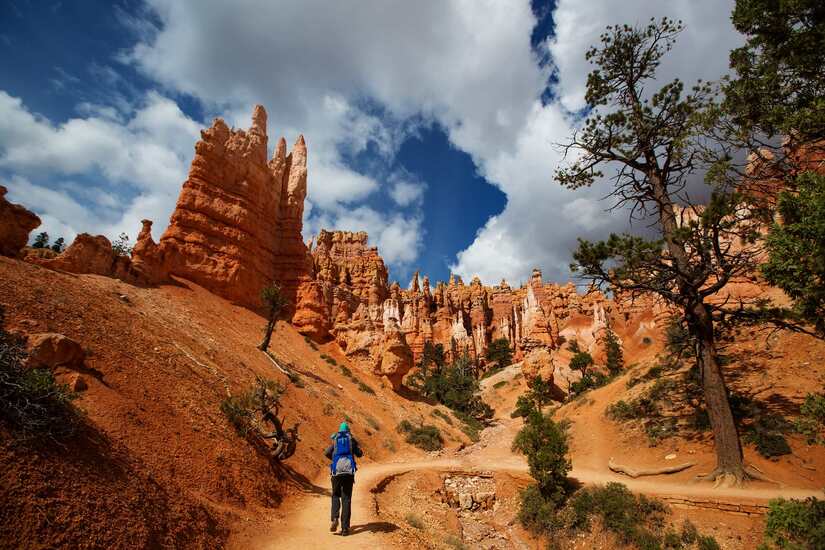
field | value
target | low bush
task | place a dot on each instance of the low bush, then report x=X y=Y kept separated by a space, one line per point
x=442 y=415
x=454 y=386
x=652 y=374
x=588 y=382
x=499 y=384
x=634 y=518
x=242 y=410
x=536 y=513
x=470 y=426
x=32 y=403
x=490 y=372
x=811 y=422
x=366 y=389
x=332 y=361
x=405 y=426
x=295 y=379
x=373 y=423
x=660 y=428
x=424 y=437
x=795 y=524
x=499 y=355
x=622 y=411
x=414 y=521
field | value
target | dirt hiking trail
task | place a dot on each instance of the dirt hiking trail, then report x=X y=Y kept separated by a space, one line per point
x=307 y=515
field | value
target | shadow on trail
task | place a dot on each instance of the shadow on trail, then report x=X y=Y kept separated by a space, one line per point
x=374 y=527
x=300 y=480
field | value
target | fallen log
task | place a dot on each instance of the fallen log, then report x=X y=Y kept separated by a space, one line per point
x=620 y=469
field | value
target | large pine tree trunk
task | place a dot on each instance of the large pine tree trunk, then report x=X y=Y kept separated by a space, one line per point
x=730 y=466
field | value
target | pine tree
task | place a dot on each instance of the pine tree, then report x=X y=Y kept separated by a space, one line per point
x=41 y=240
x=274 y=302
x=613 y=351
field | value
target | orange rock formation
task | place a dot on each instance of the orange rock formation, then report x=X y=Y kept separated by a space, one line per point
x=237 y=224
x=15 y=225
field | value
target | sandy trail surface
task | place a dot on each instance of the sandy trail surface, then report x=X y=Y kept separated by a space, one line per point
x=307 y=527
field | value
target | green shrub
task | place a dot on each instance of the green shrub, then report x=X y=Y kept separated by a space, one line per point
x=544 y=444
x=795 y=524
x=346 y=371
x=536 y=513
x=32 y=402
x=373 y=423
x=404 y=427
x=470 y=426
x=538 y=395
x=240 y=410
x=706 y=542
x=499 y=384
x=811 y=422
x=689 y=532
x=454 y=542
x=442 y=415
x=622 y=411
x=425 y=437
x=454 y=386
x=627 y=515
x=295 y=379
x=41 y=240
x=581 y=361
x=366 y=389
x=414 y=521
x=672 y=540
x=588 y=381
x=768 y=444
x=499 y=355
x=332 y=361
x=660 y=428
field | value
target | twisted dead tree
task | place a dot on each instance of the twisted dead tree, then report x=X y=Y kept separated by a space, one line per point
x=280 y=442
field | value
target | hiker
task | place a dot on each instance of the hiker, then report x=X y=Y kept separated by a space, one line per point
x=342 y=451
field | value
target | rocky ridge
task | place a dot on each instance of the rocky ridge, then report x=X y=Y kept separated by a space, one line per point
x=237 y=228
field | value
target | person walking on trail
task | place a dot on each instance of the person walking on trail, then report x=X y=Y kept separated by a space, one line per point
x=342 y=451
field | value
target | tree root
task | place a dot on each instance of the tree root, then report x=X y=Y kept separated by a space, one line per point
x=618 y=468
x=279 y=367
x=733 y=479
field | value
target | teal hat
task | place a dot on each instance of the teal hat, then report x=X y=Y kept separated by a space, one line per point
x=344 y=427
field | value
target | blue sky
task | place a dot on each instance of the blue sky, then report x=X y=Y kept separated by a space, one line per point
x=430 y=125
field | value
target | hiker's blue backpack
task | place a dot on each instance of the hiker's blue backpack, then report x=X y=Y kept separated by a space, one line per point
x=343 y=461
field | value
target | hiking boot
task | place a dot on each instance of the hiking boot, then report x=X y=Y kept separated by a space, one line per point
x=333 y=526
x=344 y=532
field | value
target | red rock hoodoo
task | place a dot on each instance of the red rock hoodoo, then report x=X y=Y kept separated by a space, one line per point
x=351 y=300
x=237 y=224
x=15 y=225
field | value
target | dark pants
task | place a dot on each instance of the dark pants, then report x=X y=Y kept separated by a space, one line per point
x=342 y=494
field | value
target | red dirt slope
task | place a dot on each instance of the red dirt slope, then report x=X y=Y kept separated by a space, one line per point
x=167 y=468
